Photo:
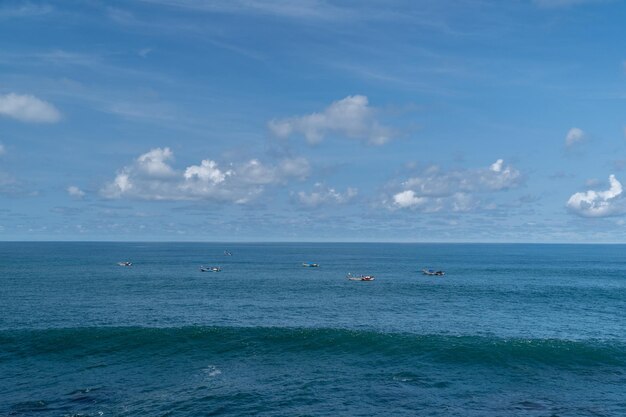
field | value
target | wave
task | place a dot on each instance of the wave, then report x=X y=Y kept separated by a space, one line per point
x=145 y=341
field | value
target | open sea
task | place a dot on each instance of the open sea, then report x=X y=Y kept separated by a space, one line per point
x=510 y=330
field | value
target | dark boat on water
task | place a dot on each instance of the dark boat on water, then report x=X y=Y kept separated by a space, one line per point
x=433 y=272
x=210 y=269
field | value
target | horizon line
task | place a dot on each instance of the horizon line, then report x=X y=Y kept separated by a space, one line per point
x=318 y=242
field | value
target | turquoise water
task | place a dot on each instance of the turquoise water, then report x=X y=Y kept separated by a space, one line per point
x=522 y=330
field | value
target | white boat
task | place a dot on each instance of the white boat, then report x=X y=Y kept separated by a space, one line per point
x=227 y=253
x=310 y=265
x=125 y=263
x=360 y=277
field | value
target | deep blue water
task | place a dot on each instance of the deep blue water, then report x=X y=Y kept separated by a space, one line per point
x=511 y=330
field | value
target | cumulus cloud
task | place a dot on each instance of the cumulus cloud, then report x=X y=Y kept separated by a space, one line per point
x=322 y=195
x=408 y=198
x=151 y=177
x=599 y=203
x=207 y=171
x=155 y=162
x=76 y=192
x=436 y=190
x=351 y=117
x=574 y=136
x=27 y=108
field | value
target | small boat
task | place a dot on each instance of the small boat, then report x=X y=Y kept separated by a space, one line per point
x=433 y=272
x=210 y=269
x=227 y=253
x=360 y=277
x=310 y=265
x=125 y=263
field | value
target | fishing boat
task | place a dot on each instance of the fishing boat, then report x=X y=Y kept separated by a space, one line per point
x=310 y=265
x=360 y=277
x=433 y=272
x=227 y=253
x=210 y=269
x=125 y=263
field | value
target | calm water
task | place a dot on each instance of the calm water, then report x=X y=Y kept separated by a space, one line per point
x=522 y=330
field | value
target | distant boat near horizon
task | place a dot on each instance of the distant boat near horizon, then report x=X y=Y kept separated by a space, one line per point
x=125 y=263
x=310 y=265
x=227 y=253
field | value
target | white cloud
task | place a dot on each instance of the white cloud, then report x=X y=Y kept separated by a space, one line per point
x=436 y=190
x=351 y=116
x=151 y=177
x=325 y=195
x=599 y=203
x=155 y=162
x=408 y=198
x=206 y=171
x=27 y=108
x=74 y=191
x=2 y=149
x=574 y=136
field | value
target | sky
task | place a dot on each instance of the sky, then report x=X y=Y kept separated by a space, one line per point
x=316 y=120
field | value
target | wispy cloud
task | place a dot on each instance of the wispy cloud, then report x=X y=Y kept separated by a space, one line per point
x=28 y=108
x=8 y=184
x=144 y=52
x=574 y=136
x=24 y=9
x=351 y=117
x=105 y=63
x=75 y=192
x=322 y=195
x=303 y=9
x=564 y=3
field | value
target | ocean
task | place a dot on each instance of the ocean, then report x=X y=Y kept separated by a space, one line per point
x=510 y=330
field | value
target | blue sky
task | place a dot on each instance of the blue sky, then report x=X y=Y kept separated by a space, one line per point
x=449 y=120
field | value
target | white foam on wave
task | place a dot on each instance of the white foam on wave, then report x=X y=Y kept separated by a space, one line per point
x=212 y=371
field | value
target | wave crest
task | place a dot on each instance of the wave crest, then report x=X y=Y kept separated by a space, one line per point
x=494 y=351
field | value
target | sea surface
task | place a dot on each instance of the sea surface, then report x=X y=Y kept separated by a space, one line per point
x=510 y=330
